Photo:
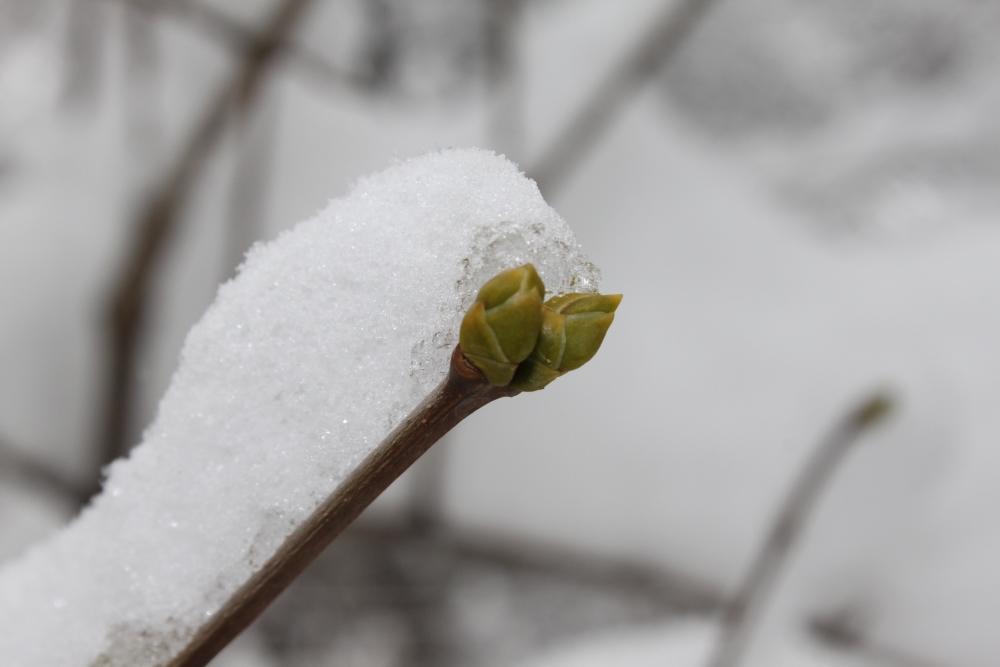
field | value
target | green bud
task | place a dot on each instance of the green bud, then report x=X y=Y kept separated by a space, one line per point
x=573 y=328
x=501 y=328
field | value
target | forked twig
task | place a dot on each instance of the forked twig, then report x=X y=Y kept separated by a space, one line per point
x=464 y=391
x=740 y=612
x=624 y=81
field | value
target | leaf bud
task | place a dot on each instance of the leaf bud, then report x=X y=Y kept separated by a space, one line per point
x=573 y=328
x=501 y=328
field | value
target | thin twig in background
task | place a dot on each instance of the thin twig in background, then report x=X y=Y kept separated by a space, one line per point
x=404 y=574
x=381 y=45
x=428 y=478
x=842 y=632
x=255 y=131
x=423 y=603
x=219 y=26
x=142 y=74
x=741 y=611
x=626 y=79
x=157 y=219
x=505 y=129
x=464 y=391
x=83 y=55
x=28 y=470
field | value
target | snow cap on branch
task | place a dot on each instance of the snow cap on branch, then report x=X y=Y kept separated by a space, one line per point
x=326 y=339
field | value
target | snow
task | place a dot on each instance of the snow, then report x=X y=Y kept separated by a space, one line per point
x=328 y=337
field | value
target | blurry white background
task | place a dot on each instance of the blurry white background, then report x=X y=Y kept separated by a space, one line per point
x=799 y=201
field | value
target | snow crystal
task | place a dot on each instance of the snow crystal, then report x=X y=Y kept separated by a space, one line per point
x=327 y=338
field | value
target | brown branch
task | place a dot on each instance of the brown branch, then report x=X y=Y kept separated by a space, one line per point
x=256 y=135
x=464 y=391
x=611 y=96
x=741 y=611
x=158 y=217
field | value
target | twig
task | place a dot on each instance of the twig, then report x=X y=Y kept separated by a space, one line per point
x=505 y=124
x=219 y=26
x=157 y=219
x=255 y=133
x=838 y=631
x=426 y=511
x=464 y=391
x=741 y=611
x=142 y=73
x=28 y=469
x=611 y=96
x=85 y=26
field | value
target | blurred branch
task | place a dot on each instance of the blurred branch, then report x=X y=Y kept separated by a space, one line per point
x=255 y=133
x=142 y=76
x=221 y=27
x=683 y=593
x=428 y=477
x=84 y=53
x=505 y=128
x=157 y=218
x=625 y=81
x=27 y=469
x=842 y=632
x=740 y=612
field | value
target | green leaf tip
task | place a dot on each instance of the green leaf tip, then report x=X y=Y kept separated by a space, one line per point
x=501 y=328
x=573 y=328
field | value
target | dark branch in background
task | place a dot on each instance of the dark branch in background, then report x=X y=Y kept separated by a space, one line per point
x=219 y=26
x=142 y=74
x=842 y=631
x=382 y=45
x=28 y=470
x=687 y=594
x=611 y=96
x=414 y=576
x=158 y=217
x=741 y=611
x=428 y=478
x=255 y=132
x=505 y=130
x=83 y=55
